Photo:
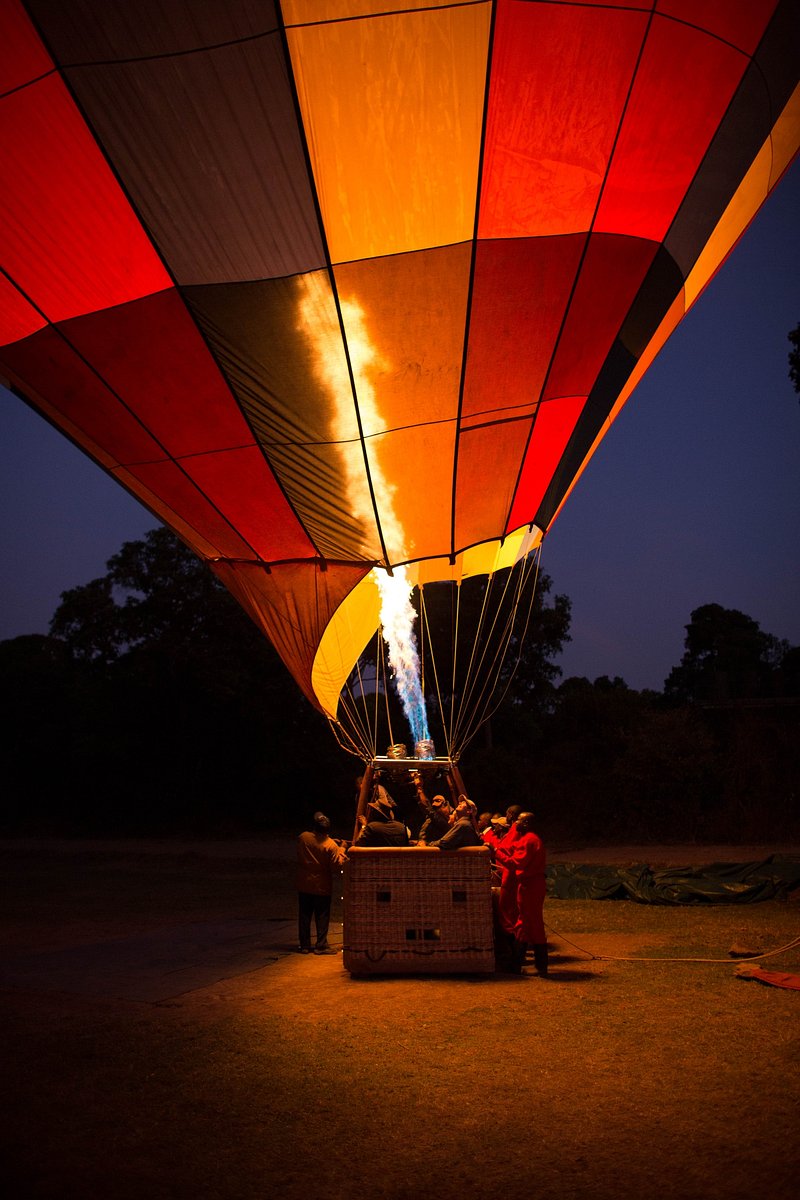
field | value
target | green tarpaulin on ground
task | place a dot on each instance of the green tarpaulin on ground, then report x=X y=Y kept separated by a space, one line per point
x=718 y=883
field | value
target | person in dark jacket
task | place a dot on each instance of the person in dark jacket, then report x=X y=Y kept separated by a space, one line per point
x=380 y=828
x=437 y=822
x=463 y=831
x=318 y=855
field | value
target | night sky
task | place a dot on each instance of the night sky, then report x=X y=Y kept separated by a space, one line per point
x=693 y=497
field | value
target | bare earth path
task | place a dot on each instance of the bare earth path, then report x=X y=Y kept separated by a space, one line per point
x=279 y=1075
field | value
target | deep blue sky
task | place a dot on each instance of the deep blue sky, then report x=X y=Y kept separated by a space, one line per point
x=693 y=497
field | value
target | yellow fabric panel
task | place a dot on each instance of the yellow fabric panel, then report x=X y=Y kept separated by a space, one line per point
x=358 y=616
x=344 y=639
x=387 y=90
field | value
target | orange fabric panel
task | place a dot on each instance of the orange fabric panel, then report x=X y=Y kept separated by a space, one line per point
x=489 y=458
x=683 y=86
x=298 y=12
x=387 y=90
x=560 y=75
x=404 y=319
x=412 y=472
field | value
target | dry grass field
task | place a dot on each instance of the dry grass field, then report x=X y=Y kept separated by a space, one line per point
x=251 y=1071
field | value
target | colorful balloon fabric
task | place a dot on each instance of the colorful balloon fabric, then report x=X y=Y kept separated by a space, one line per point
x=331 y=284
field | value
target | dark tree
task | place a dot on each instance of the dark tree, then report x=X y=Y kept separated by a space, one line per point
x=794 y=358
x=727 y=657
x=156 y=705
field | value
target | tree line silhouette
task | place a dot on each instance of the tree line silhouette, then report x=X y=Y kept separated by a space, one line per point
x=154 y=706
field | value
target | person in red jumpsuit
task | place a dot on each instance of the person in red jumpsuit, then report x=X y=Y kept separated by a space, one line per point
x=524 y=861
x=507 y=900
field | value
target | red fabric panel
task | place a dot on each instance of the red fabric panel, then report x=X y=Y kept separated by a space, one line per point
x=560 y=75
x=167 y=480
x=555 y=422
x=45 y=365
x=245 y=490
x=683 y=86
x=22 y=55
x=73 y=245
x=292 y=604
x=17 y=317
x=520 y=294
x=740 y=22
x=610 y=277
x=152 y=355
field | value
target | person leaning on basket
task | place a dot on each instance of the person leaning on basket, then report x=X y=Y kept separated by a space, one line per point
x=380 y=827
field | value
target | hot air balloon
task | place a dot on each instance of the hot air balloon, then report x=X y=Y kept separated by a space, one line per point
x=341 y=292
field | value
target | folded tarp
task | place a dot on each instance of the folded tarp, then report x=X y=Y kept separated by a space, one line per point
x=718 y=883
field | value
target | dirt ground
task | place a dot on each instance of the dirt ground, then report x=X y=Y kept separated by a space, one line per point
x=291 y=1079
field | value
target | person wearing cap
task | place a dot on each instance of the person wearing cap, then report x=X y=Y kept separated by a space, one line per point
x=318 y=855
x=464 y=830
x=437 y=822
x=525 y=861
x=380 y=827
x=508 y=912
x=495 y=831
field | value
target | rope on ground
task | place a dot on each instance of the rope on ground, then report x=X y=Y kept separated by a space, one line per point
x=657 y=958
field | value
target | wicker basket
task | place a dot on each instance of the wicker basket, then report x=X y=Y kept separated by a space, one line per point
x=417 y=911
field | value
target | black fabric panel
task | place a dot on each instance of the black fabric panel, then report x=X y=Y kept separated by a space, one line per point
x=661 y=285
x=80 y=31
x=205 y=140
x=764 y=91
x=252 y=329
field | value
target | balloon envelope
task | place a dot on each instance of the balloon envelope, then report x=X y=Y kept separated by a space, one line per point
x=327 y=285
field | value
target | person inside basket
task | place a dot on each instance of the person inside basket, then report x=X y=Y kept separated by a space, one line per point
x=380 y=826
x=463 y=831
x=318 y=856
x=437 y=822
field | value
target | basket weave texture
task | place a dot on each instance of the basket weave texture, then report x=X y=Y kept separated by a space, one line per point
x=416 y=911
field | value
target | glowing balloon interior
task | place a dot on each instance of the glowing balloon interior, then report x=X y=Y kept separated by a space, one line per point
x=330 y=286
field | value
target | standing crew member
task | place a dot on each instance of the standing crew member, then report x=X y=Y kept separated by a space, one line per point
x=317 y=856
x=507 y=900
x=525 y=860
